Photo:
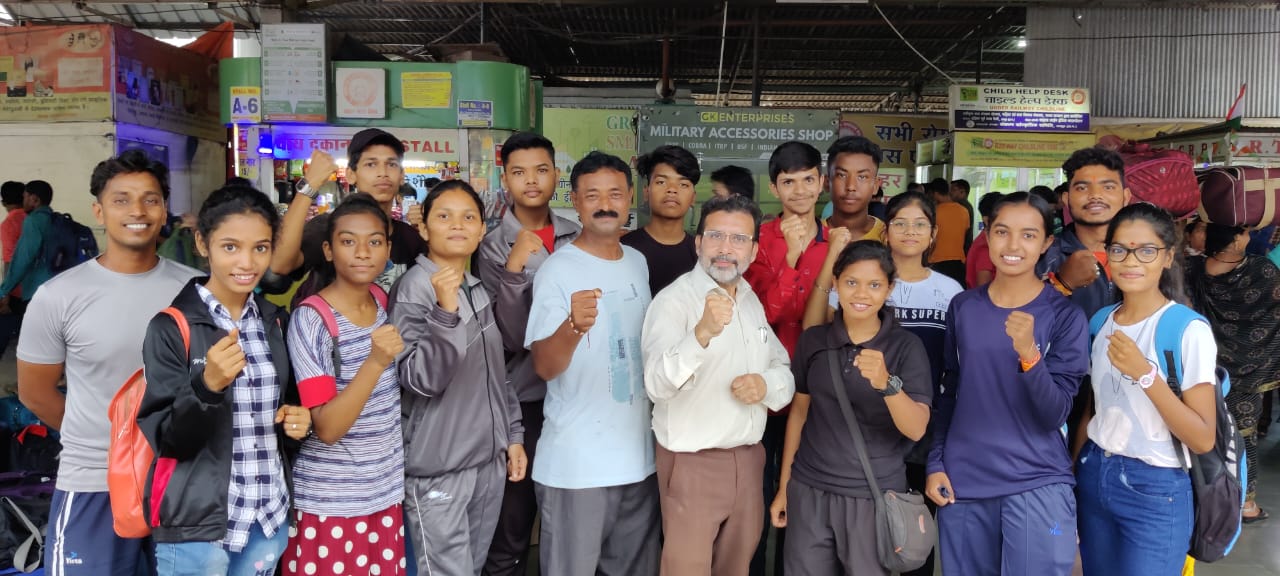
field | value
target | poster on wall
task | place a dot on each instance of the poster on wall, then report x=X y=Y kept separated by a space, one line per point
x=1019 y=108
x=54 y=74
x=166 y=87
x=577 y=132
x=426 y=89
x=362 y=92
x=293 y=73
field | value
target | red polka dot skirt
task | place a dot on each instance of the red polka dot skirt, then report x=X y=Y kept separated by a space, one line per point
x=333 y=546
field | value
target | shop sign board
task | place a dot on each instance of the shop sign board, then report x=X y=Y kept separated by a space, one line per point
x=895 y=134
x=297 y=142
x=1227 y=147
x=55 y=74
x=1016 y=150
x=293 y=73
x=361 y=92
x=246 y=105
x=734 y=132
x=475 y=113
x=1019 y=108
x=578 y=132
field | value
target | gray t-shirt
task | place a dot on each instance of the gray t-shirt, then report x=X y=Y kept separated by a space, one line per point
x=93 y=320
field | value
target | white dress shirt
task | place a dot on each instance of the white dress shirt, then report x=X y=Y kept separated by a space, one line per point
x=693 y=404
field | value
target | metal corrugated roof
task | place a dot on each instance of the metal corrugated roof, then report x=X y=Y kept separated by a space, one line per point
x=152 y=18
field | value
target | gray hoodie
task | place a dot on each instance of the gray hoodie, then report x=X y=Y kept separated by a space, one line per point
x=458 y=411
x=514 y=293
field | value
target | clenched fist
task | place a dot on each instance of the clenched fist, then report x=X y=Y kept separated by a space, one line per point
x=1079 y=270
x=1021 y=328
x=717 y=312
x=446 y=282
x=837 y=240
x=527 y=244
x=797 y=232
x=322 y=167
x=295 y=420
x=871 y=364
x=223 y=362
x=749 y=388
x=386 y=345
x=583 y=309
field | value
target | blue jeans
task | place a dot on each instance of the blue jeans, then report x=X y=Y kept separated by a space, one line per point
x=258 y=558
x=1135 y=518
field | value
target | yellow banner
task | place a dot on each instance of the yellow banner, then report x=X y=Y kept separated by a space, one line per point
x=1017 y=149
x=426 y=89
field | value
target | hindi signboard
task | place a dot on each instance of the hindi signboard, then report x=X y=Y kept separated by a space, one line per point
x=1019 y=108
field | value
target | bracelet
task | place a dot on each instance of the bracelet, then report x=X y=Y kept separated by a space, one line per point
x=574 y=328
x=1027 y=366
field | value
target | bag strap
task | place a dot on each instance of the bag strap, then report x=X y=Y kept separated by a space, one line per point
x=1168 y=340
x=30 y=553
x=842 y=397
x=183 y=328
x=321 y=306
x=379 y=295
x=1098 y=320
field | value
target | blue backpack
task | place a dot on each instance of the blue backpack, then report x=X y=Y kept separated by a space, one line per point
x=1217 y=475
x=69 y=243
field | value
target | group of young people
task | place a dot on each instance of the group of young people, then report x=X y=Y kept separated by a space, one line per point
x=656 y=398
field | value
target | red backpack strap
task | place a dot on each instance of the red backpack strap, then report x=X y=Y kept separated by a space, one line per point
x=321 y=306
x=183 y=327
x=379 y=295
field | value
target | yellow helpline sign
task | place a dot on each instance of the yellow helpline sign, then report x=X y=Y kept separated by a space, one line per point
x=1017 y=149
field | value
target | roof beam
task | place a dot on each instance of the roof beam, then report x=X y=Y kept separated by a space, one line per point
x=84 y=7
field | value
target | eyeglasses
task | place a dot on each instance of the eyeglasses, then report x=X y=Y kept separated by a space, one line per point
x=1144 y=254
x=735 y=240
x=918 y=226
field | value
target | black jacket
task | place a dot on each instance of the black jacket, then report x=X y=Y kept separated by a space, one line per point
x=190 y=427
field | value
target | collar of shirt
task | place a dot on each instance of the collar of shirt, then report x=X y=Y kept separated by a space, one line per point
x=838 y=334
x=510 y=227
x=220 y=313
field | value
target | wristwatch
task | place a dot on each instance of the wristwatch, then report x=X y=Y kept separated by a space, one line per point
x=893 y=387
x=303 y=188
x=1147 y=379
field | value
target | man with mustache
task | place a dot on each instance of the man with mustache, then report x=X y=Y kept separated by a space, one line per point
x=713 y=369
x=594 y=474
x=1076 y=263
x=671 y=173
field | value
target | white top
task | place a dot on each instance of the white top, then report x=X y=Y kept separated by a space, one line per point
x=1126 y=422
x=693 y=404
x=596 y=431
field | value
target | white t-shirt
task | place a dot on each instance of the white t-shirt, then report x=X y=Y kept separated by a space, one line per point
x=1126 y=422
x=598 y=429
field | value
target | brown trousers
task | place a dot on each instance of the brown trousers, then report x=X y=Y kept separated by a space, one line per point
x=712 y=513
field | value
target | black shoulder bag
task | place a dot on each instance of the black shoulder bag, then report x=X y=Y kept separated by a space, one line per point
x=905 y=531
